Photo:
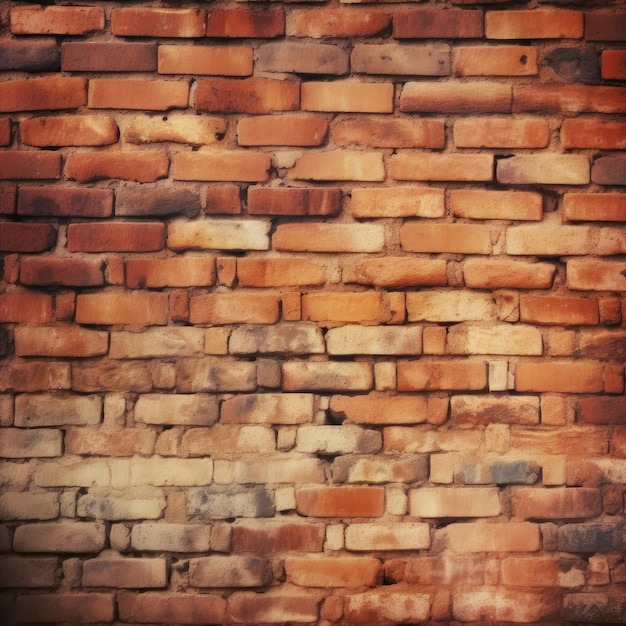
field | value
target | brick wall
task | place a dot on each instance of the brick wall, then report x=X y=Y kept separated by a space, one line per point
x=313 y=312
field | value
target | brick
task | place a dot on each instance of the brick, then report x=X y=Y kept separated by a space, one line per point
x=294 y=338
x=494 y=339
x=124 y=573
x=389 y=133
x=283 y=130
x=543 y=571
x=380 y=409
x=575 y=441
x=351 y=339
x=493 y=537
x=234 y=308
x=245 y=502
x=65 y=202
x=164 y=537
x=590 y=537
x=221 y=441
x=183 y=409
x=500 y=132
x=188 y=271
x=219 y=235
x=483 y=61
x=348 y=96
x=128 y=506
x=613 y=63
x=90 y=166
x=28 y=506
x=498 y=472
x=84 y=474
x=284 y=469
x=60 y=341
x=157 y=343
x=437 y=24
x=36 y=376
x=534 y=24
x=41 y=94
x=16 y=571
x=229 y=571
x=36 y=55
x=376 y=470
x=270 y=537
x=336 y=22
x=549 y=240
x=223 y=200
x=183 y=608
x=568 y=99
x=387 y=606
x=122 y=308
x=279 y=272
x=302 y=58
x=598 y=607
x=340 y=501
x=563 y=311
x=62 y=537
x=116 y=237
x=490 y=274
x=574 y=65
x=601 y=410
x=86 y=56
x=593 y=133
x=470 y=97
x=394 y=536
x=68 y=606
x=214 y=374
x=293 y=408
x=397 y=202
x=216 y=60
x=556 y=503
x=226 y=165
x=548 y=169
x=449 y=375
x=246 y=22
x=45 y=409
x=591 y=275
x=137 y=94
x=561 y=377
x=337 y=165
x=401 y=59
x=452 y=306
x=194 y=130
x=248 y=95
x=604 y=25
x=329 y=238
x=396 y=272
x=98 y=442
x=56 y=20
x=333 y=440
x=475 y=410
x=447 y=570
x=344 y=307
x=5 y=140
x=594 y=206
x=433 y=502
x=18 y=237
x=609 y=171
x=442 y=167
x=152 y=22
x=505 y=605
x=274 y=607
x=68 y=272
x=322 y=571
x=326 y=376
x=29 y=165
x=294 y=201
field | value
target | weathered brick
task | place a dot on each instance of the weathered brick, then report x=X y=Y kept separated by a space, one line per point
x=340 y=501
x=35 y=376
x=543 y=571
x=534 y=24
x=491 y=274
x=274 y=607
x=28 y=506
x=226 y=165
x=421 y=376
x=56 y=20
x=387 y=606
x=322 y=571
x=186 y=409
x=169 y=537
x=380 y=409
x=389 y=133
x=157 y=342
x=348 y=96
x=563 y=311
x=116 y=237
x=5 y=140
x=269 y=537
x=613 y=63
x=337 y=165
x=234 y=308
x=216 y=60
x=294 y=201
x=433 y=502
x=62 y=537
x=112 y=375
x=284 y=469
x=88 y=56
x=230 y=571
x=591 y=537
x=602 y=410
x=60 y=341
x=610 y=170
x=592 y=275
x=248 y=95
x=333 y=440
x=244 y=502
x=188 y=271
x=593 y=133
x=86 y=473
x=326 y=376
x=302 y=58
x=137 y=166
x=45 y=409
x=130 y=505
x=279 y=272
x=188 y=129
x=604 y=25
x=215 y=374
x=124 y=573
x=34 y=55
x=68 y=606
x=293 y=408
x=294 y=338
x=486 y=61
x=493 y=537
x=154 y=22
x=452 y=97
x=283 y=130
x=549 y=240
x=224 y=441
x=564 y=377
x=436 y=24
x=17 y=571
x=452 y=306
x=47 y=93
x=17 y=237
x=594 y=206
x=394 y=536
x=494 y=339
x=505 y=605
x=447 y=570
x=344 y=307
x=556 y=503
x=597 y=607
x=396 y=272
x=65 y=202
x=575 y=441
x=568 y=99
x=336 y=22
x=101 y=442
x=500 y=132
x=374 y=340
x=329 y=238
x=29 y=165
x=224 y=199
x=219 y=235
x=246 y=22
x=549 y=169
x=122 y=308
x=442 y=167
x=397 y=202
x=475 y=410
x=137 y=94
x=401 y=59
x=376 y=470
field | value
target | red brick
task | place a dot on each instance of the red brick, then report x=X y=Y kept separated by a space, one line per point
x=279 y=272
x=348 y=96
x=452 y=375
x=68 y=606
x=556 y=503
x=568 y=99
x=35 y=376
x=609 y=170
x=495 y=61
x=389 y=133
x=56 y=20
x=263 y=537
x=605 y=25
x=613 y=64
x=559 y=377
x=135 y=166
x=234 y=308
x=94 y=441
x=618 y=442
x=223 y=165
x=437 y=24
x=37 y=94
x=248 y=95
x=294 y=201
x=20 y=237
x=591 y=275
x=441 y=167
x=593 y=133
x=65 y=202
x=501 y=132
x=70 y=130
x=30 y=54
x=323 y=571
x=401 y=59
x=60 y=341
x=336 y=22
x=283 y=130
x=223 y=200
x=80 y=56
x=116 y=237
x=39 y=271
x=25 y=308
x=188 y=271
x=8 y=197
x=216 y=60
x=602 y=410
x=138 y=94
x=5 y=131
x=557 y=310
x=152 y=22
x=454 y=238
x=30 y=165
x=492 y=274
x=534 y=24
x=295 y=57
x=340 y=165
x=340 y=501
x=235 y=23
x=142 y=309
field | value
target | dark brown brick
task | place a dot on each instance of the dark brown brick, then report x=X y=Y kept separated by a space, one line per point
x=610 y=170
x=31 y=55
x=265 y=22
x=5 y=131
x=605 y=25
x=8 y=196
x=223 y=200
x=16 y=237
x=602 y=410
x=87 y=56
x=43 y=271
x=65 y=202
x=140 y=200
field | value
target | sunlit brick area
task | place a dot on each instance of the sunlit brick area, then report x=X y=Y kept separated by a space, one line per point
x=313 y=312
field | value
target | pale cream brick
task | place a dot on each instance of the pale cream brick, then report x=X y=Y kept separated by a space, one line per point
x=125 y=573
x=66 y=473
x=167 y=537
x=385 y=376
x=498 y=375
x=223 y=472
x=450 y=306
x=48 y=409
x=119 y=537
x=285 y=499
x=16 y=443
x=67 y=504
x=14 y=476
x=332 y=440
x=168 y=472
x=218 y=234
x=388 y=536
x=197 y=409
x=157 y=343
x=72 y=537
x=29 y=506
x=396 y=501
x=376 y=340
x=554 y=470
x=442 y=468
x=140 y=503
x=514 y=339
x=334 y=537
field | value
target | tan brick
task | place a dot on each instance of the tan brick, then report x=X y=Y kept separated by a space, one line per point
x=68 y=606
x=129 y=505
x=389 y=133
x=121 y=308
x=215 y=374
x=594 y=206
x=59 y=341
x=17 y=571
x=491 y=274
x=401 y=59
x=186 y=409
x=424 y=375
x=550 y=240
x=500 y=132
x=326 y=376
x=568 y=99
x=292 y=408
x=572 y=440
x=398 y=272
x=63 y=474
x=294 y=338
x=441 y=167
x=505 y=605
x=226 y=165
x=234 y=308
x=534 y=24
x=155 y=22
x=34 y=442
x=56 y=20
x=178 y=128
x=47 y=409
x=452 y=306
x=548 y=169
x=157 y=342
x=493 y=537
x=393 y=536
x=28 y=506
x=344 y=307
x=379 y=470
x=282 y=130
x=563 y=376
x=124 y=573
x=62 y=537
x=164 y=472
x=302 y=58
x=556 y=503
x=218 y=234
x=494 y=339
x=495 y=61
x=230 y=571
x=167 y=537
x=591 y=275
x=329 y=238
x=279 y=272
x=274 y=607
x=453 y=97
x=106 y=442
x=70 y=130
x=138 y=94
x=374 y=340
x=339 y=165
x=285 y=469
x=224 y=441
x=474 y=410
x=336 y=22
x=380 y=409
x=397 y=202
x=216 y=60
x=322 y=571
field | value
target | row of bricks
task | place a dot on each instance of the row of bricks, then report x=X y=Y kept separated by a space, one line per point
x=420 y=23
x=299 y=130
x=267 y=95
x=300 y=58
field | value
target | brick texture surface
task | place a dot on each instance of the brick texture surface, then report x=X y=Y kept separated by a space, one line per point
x=313 y=312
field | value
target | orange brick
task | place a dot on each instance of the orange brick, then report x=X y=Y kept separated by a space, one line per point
x=116 y=237
x=17 y=237
x=234 y=308
x=610 y=207
x=69 y=130
x=380 y=409
x=558 y=310
x=433 y=502
x=8 y=197
x=613 y=64
x=501 y=132
x=283 y=130
x=40 y=271
x=142 y=309
x=504 y=605
x=326 y=376
x=56 y=20
x=452 y=375
x=295 y=57
x=33 y=376
x=343 y=307
x=436 y=24
x=65 y=202
x=556 y=503
x=548 y=169
x=593 y=133
x=223 y=200
x=279 y=272
x=137 y=94
x=340 y=501
x=223 y=165
x=25 y=308
x=397 y=272
x=134 y=166
x=559 y=377
x=323 y=571
x=546 y=571
x=497 y=537
x=339 y=165
x=348 y=96
x=106 y=442
x=60 y=341
x=82 y=56
x=468 y=97
x=152 y=22
x=397 y=202
x=605 y=25
x=441 y=167
x=401 y=59
x=386 y=605
x=30 y=165
x=329 y=238
x=495 y=61
x=244 y=22
x=249 y=95
x=216 y=60
x=496 y=205
x=549 y=240
x=179 y=608
x=76 y=606
x=274 y=606
x=491 y=274
x=336 y=22
x=188 y=271
x=568 y=99
x=294 y=201
x=455 y=238
x=47 y=93
x=534 y=24
x=389 y=133
x=264 y=537
x=5 y=131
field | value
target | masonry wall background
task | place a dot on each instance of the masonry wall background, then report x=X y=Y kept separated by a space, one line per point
x=312 y=312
